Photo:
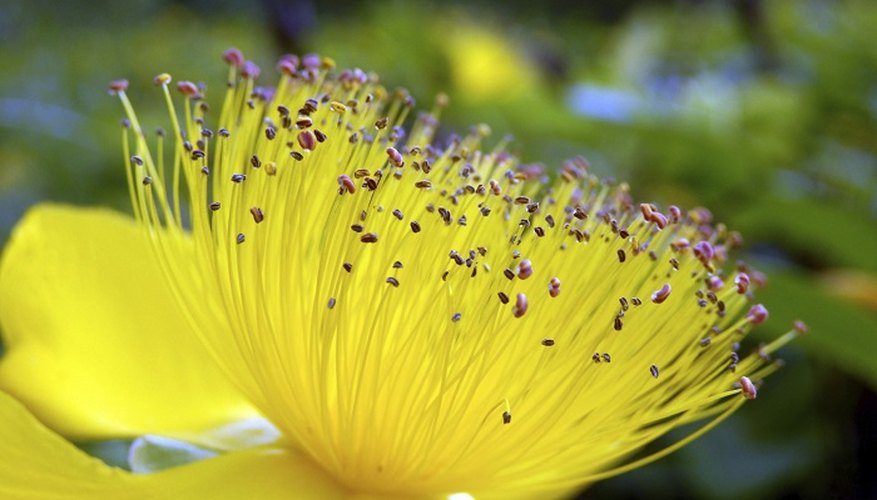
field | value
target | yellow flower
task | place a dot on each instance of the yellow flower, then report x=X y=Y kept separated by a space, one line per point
x=416 y=317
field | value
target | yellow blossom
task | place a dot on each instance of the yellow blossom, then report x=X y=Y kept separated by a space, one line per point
x=418 y=317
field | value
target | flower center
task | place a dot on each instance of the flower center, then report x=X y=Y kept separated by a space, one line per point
x=429 y=317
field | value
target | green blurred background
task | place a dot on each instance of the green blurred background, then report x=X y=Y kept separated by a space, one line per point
x=764 y=111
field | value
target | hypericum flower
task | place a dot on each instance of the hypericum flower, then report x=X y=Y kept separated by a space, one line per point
x=416 y=317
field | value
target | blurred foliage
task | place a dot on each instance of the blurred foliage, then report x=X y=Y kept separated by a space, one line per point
x=766 y=112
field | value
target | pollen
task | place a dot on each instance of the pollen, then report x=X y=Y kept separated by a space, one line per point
x=399 y=379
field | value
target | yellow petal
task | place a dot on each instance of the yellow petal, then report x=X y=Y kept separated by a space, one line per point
x=37 y=463
x=96 y=347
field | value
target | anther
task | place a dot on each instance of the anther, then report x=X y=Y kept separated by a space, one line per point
x=331 y=302
x=606 y=357
x=346 y=184
x=705 y=341
x=214 y=206
x=749 y=390
x=757 y=314
x=398 y=214
x=456 y=317
x=270 y=133
x=525 y=269
x=506 y=417
x=347 y=266
x=395 y=157
x=662 y=294
x=393 y=281
x=321 y=137
x=801 y=327
x=238 y=178
x=296 y=155
x=742 y=282
x=240 y=238
x=369 y=238
x=307 y=140
x=233 y=57
x=258 y=216
x=548 y=342
x=654 y=370
x=621 y=255
x=520 y=308
x=415 y=226
x=255 y=161
x=147 y=180
x=186 y=88
x=503 y=297
x=118 y=86
x=161 y=79
x=357 y=228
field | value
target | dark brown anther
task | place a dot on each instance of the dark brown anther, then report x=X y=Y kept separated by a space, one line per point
x=506 y=417
x=223 y=132
x=214 y=205
x=705 y=341
x=445 y=276
x=415 y=226
x=636 y=301
x=621 y=256
x=357 y=228
x=509 y=273
x=742 y=282
x=540 y=232
x=370 y=183
x=580 y=214
x=596 y=357
x=310 y=106
x=331 y=302
x=549 y=219
x=321 y=137
x=255 y=161
x=369 y=238
x=393 y=281
x=297 y=155
x=520 y=308
x=662 y=294
x=382 y=123
x=606 y=357
x=137 y=160
x=347 y=266
x=233 y=57
x=674 y=263
x=258 y=215
x=238 y=178
x=701 y=302
x=398 y=214
x=654 y=371
x=522 y=200
x=456 y=317
x=283 y=110
x=147 y=180
x=503 y=297
x=623 y=233
x=618 y=324
x=270 y=133
x=624 y=303
x=307 y=140
x=304 y=122
x=423 y=184
x=240 y=238
x=397 y=264
x=548 y=342
x=188 y=146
